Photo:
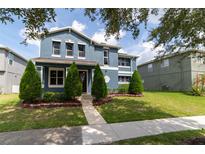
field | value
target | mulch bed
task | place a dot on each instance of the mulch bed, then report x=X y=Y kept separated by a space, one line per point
x=102 y=101
x=195 y=141
x=122 y=94
x=42 y=104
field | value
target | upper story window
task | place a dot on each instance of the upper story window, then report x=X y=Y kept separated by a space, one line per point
x=69 y=49
x=165 y=63
x=199 y=59
x=10 y=58
x=124 y=62
x=106 y=57
x=150 y=68
x=81 y=49
x=56 y=48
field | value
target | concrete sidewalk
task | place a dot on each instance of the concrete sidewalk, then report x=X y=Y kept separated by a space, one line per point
x=102 y=133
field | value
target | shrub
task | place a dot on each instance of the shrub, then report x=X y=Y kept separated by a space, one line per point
x=73 y=85
x=99 y=87
x=135 y=86
x=198 y=88
x=123 y=88
x=30 y=86
x=53 y=96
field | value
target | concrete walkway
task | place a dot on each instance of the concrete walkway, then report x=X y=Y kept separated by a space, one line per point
x=102 y=133
x=92 y=115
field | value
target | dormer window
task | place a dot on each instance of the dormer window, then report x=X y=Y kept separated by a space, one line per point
x=106 y=57
x=81 y=49
x=56 y=48
x=69 y=49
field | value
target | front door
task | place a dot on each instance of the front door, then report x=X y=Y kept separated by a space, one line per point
x=83 y=77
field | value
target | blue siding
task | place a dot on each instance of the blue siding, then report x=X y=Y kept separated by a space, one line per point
x=92 y=53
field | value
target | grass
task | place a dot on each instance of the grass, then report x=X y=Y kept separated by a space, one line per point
x=153 y=105
x=174 y=138
x=13 y=117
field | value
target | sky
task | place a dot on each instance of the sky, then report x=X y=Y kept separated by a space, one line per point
x=13 y=34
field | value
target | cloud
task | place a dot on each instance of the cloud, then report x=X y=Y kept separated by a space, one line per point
x=153 y=19
x=100 y=37
x=78 y=26
x=145 y=51
x=31 y=41
x=53 y=28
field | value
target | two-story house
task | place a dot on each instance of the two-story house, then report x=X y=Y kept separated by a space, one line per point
x=173 y=72
x=61 y=47
x=12 y=66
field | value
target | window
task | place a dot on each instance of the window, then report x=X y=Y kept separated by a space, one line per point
x=106 y=57
x=199 y=59
x=69 y=49
x=124 y=62
x=124 y=78
x=165 y=63
x=10 y=58
x=81 y=49
x=56 y=48
x=56 y=77
x=150 y=68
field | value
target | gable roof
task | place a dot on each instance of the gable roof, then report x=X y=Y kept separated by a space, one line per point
x=171 y=55
x=82 y=35
x=11 y=51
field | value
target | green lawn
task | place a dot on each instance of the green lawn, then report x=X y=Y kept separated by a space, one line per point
x=153 y=105
x=175 y=138
x=13 y=117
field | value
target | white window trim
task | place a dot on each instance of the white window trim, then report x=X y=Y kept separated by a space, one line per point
x=56 y=86
x=106 y=57
x=106 y=67
x=82 y=43
x=124 y=72
x=79 y=57
x=55 y=55
x=42 y=82
x=56 y=40
x=163 y=62
x=69 y=50
x=69 y=41
x=124 y=66
x=69 y=56
x=123 y=82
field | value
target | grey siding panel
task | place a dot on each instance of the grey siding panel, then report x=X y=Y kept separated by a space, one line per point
x=176 y=77
x=2 y=60
x=113 y=75
x=125 y=69
x=2 y=82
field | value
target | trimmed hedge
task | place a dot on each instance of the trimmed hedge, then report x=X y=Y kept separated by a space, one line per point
x=73 y=84
x=30 y=86
x=54 y=96
x=136 y=86
x=99 y=87
x=123 y=88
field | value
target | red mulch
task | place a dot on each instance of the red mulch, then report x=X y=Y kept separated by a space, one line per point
x=129 y=95
x=42 y=104
x=102 y=101
x=195 y=141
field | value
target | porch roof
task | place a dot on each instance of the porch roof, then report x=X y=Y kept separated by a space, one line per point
x=64 y=61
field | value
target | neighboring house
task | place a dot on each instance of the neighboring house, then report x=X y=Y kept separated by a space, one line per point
x=175 y=72
x=12 y=67
x=60 y=48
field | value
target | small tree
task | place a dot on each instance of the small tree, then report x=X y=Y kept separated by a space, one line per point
x=136 y=86
x=30 y=86
x=73 y=84
x=99 y=87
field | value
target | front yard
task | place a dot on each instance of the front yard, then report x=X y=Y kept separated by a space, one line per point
x=13 y=117
x=153 y=105
x=175 y=138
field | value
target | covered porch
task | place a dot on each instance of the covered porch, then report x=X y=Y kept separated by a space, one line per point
x=53 y=73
